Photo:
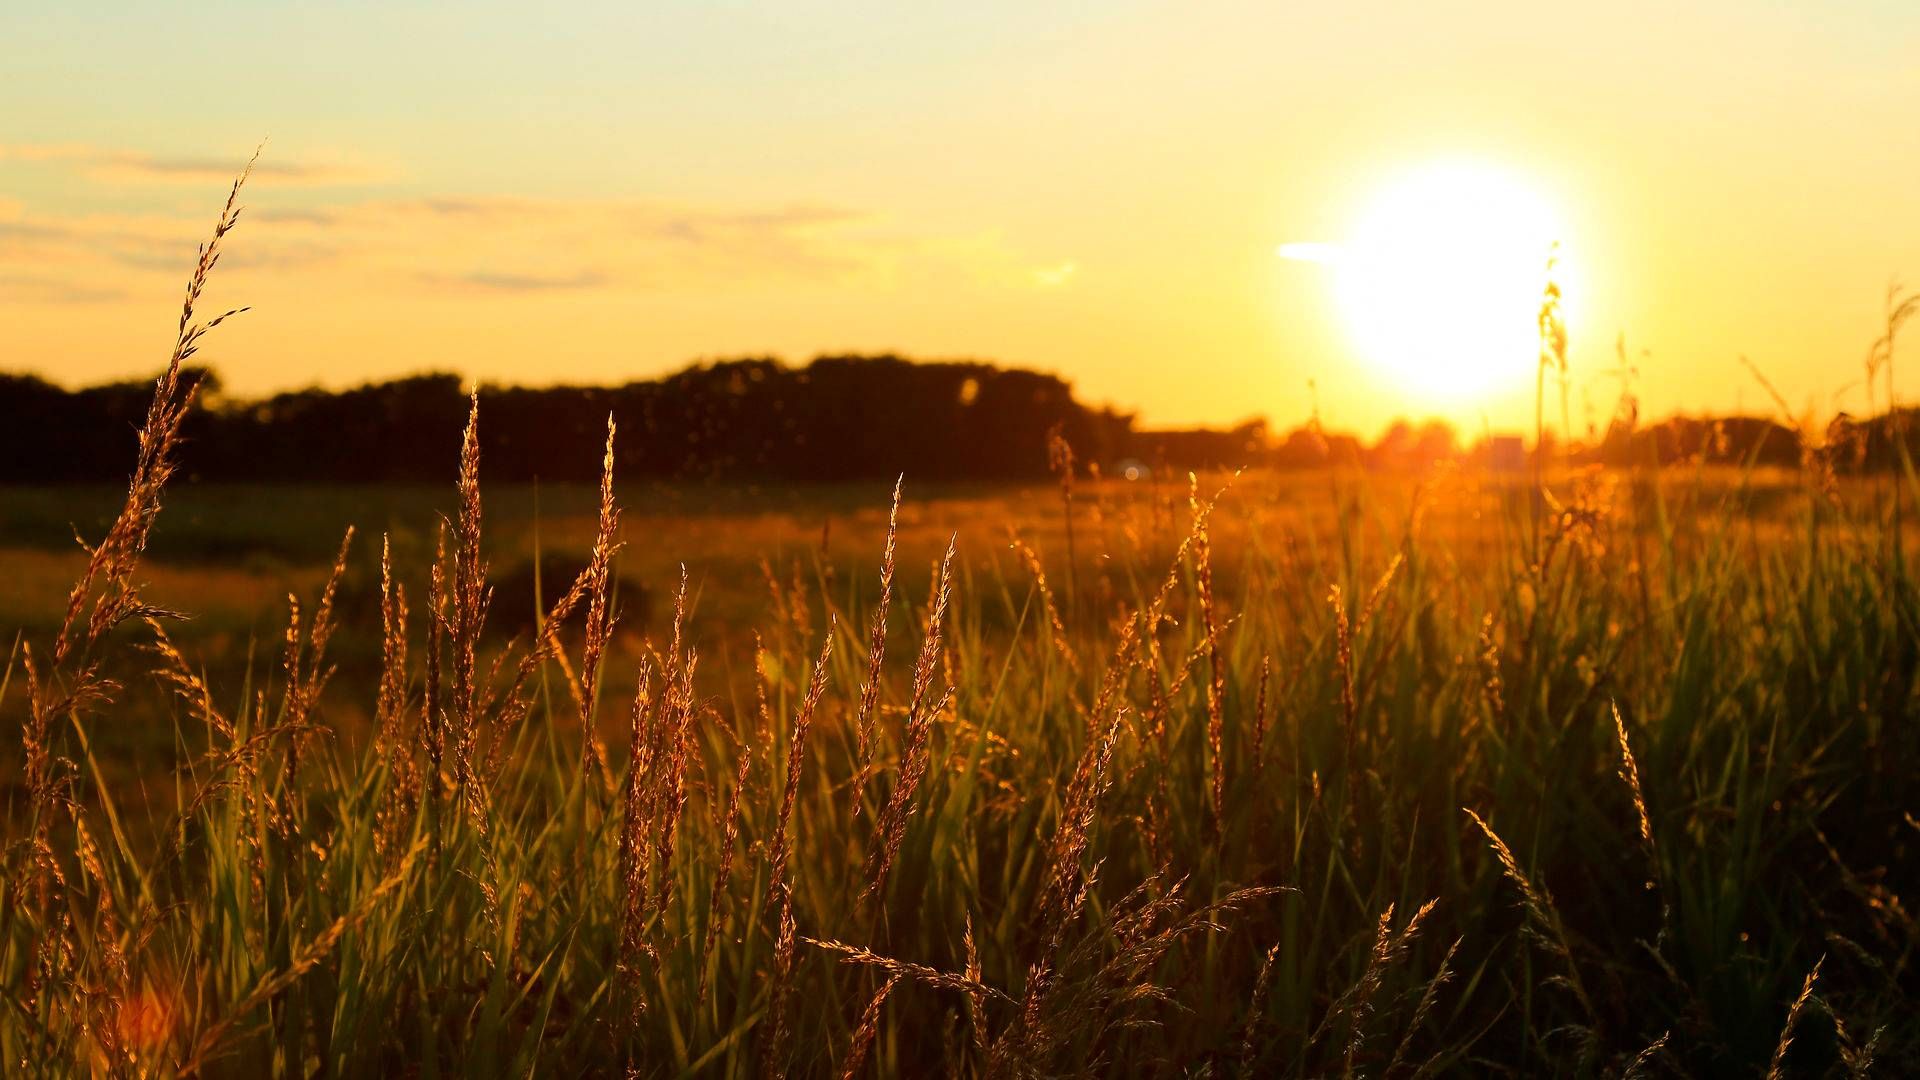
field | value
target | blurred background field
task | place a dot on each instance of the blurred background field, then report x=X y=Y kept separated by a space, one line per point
x=228 y=556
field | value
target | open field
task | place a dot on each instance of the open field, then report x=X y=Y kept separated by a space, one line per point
x=1579 y=773
x=1209 y=795
x=984 y=541
x=229 y=556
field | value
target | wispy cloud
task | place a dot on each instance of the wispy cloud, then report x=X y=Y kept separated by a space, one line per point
x=28 y=231
x=136 y=166
x=512 y=282
x=127 y=241
x=47 y=290
x=295 y=216
x=583 y=243
x=1052 y=277
x=443 y=247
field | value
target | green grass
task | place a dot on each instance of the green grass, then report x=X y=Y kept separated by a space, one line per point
x=1762 y=664
x=1332 y=775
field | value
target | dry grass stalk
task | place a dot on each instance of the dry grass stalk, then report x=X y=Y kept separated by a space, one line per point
x=1424 y=1007
x=633 y=847
x=1553 y=355
x=1543 y=915
x=598 y=576
x=773 y=1051
x=779 y=848
x=1159 y=693
x=1776 y=1068
x=548 y=646
x=676 y=642
x=1890 y=918
x=110 y=564
x=511 y=705
x=674 y=732
x=776 y=596
x=1257 y=750
x=798 y=608
x=1078 y=812
x=1060 y=460
x=46 y=778
x=234 y=768
x=659 y=734
x=780 y=892
x=1055 y=622
x=1491 y=686
x=863 y=1035
x=469 y=601
x=1629 y=771
x=865 y=714
x=291 y=639
x=433 y=718
x=976 y=998
x=1098 y=986
x=306 y=672
x=1347 y=629
x=1356 y=1005
x=390 y=710
x=921 y=973
x=763 y=706
x=915 y=750
x=1376 y=597
x=306 y=959
x=1257 y=1007
x=107 y=578
x=189 y=685
x=1642 y=1063
x=1217 y=675
x=729 y=831
x=1856 y=1057
x=390 y=697
x=1121 y=666
x=1201 y=514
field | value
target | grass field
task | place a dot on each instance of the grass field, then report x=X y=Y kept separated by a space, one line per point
x=1316 y=774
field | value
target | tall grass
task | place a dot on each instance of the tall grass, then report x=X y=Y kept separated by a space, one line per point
x=1193 y=817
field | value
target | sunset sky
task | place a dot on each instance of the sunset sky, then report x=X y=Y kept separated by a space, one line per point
x=602 y=192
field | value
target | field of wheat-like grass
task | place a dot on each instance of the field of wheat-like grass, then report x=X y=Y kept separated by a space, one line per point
x=1607 y=776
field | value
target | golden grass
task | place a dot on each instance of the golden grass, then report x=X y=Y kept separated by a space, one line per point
x=1164 y=821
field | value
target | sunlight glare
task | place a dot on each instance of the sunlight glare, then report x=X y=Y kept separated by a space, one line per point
x=1440 y=283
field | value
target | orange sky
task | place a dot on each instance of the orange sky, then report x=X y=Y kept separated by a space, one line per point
x=608 y=191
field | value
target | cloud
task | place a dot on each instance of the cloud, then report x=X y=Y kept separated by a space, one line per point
x=1051 y=277
x=135 y=166
x=127 y=241
x=24 y=231
x=513 y=282
x=90 y=242
x=629 y=242
x=294 y=216
x=462 y=207
x=448 y=246
x=282 y=254
x=46 y=290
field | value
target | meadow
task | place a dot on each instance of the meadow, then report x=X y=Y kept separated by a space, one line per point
x=1603 y=773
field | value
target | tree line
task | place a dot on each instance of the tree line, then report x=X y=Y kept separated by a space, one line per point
x=838 y=418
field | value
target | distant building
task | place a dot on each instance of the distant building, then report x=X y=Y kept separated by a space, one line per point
x=1506 y=454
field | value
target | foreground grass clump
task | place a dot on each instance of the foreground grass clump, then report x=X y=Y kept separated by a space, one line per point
x=1629 y=793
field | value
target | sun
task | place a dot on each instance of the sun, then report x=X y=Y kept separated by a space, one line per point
x=1440 y=281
